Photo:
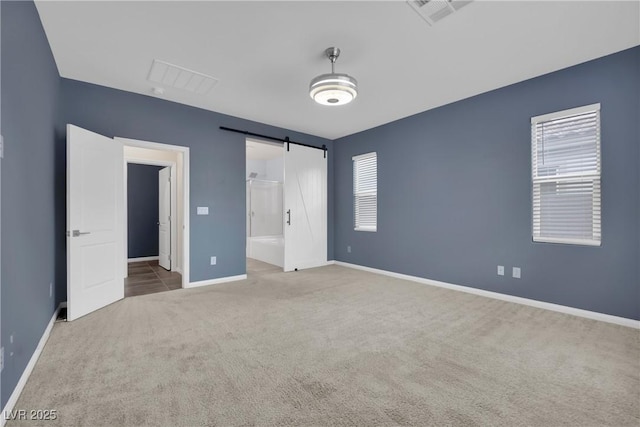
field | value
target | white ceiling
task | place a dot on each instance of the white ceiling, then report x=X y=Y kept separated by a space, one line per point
x=265 y=53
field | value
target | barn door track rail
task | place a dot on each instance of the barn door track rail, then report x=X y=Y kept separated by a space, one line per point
x=286 y=139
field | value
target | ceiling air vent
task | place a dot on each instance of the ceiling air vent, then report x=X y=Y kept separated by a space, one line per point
x=170 y=75
x=433 y=11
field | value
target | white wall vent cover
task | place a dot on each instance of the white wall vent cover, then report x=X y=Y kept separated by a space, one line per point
x=170 y=75
x=434 y=10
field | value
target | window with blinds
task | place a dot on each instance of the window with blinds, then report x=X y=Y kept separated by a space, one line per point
x=365 y=191
x=566 y=176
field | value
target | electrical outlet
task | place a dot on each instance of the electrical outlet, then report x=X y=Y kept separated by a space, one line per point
x=516 y=272
x=501 y=270
x=348 y=249
x=214 y=260
x=50 y=290
x=11 y=339
x=1 y=359
x=1 y=147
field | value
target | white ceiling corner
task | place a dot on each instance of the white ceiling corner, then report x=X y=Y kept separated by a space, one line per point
x=265 y=53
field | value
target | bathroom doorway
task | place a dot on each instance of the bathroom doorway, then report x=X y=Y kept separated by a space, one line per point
x=264 y=206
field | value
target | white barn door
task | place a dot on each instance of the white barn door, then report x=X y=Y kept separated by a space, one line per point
x=95 y=215
x=305 y=207
x=164 y=218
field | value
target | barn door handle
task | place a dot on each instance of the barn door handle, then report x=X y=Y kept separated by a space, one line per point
x=289 y=217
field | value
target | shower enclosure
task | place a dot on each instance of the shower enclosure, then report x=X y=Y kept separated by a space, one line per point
x=264 y=221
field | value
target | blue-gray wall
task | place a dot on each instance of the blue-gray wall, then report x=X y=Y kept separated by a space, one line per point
x=454 y=192
x=142 y=210
x=30 y=85
x=36 y=104
x=217 y=161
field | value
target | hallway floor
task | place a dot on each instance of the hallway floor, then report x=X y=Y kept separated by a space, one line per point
x=147 y=277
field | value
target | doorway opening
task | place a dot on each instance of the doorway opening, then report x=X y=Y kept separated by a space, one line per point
x=152 y=224
x=97 y=261
x=264 y=205
x=286 y=205
x=155 y=238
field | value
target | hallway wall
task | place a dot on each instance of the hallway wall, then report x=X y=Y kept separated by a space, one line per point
x=142 y=210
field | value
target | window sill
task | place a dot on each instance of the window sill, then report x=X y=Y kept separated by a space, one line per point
x=371 y=230
x=567 y=241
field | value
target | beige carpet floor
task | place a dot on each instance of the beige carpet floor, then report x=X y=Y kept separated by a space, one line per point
x=334 y=346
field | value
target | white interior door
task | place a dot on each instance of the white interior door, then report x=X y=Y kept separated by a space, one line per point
x=305 y=207
x=164 y=218
x=95 y=220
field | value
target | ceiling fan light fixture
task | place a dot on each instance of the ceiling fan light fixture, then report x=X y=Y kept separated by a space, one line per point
x=333 y=88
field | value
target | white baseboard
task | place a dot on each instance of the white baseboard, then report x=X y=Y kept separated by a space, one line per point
x=504 y=297
x=143 y=258
x=332 y=262
x=13 y=399
x=216 y=281
x=178 y=270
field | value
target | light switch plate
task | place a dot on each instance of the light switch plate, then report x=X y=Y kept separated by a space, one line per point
x=1 y=147
x=501 y=270
x=203 y=210
x=214 y=260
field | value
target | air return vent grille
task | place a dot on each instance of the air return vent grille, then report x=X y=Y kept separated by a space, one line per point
x=433 y=11
x=169 y=75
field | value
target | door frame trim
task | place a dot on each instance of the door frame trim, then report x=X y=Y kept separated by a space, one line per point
x=128 y=142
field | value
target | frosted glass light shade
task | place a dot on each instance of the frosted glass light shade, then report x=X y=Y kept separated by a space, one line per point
x=333 y=89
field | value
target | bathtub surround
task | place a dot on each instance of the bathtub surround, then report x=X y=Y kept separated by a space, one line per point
x=264 y=208
x=269 y=249
x=265 y=240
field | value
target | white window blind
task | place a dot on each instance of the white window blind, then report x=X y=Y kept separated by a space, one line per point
x=365 y=191
x=566 y=176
